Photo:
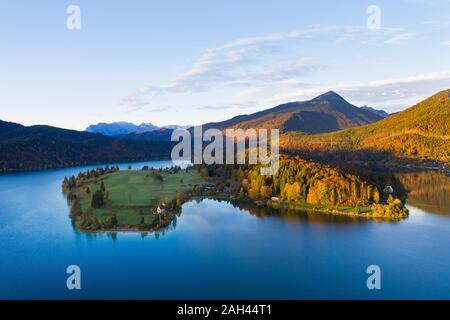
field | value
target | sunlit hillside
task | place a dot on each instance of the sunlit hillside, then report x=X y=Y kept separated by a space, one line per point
x=421 y=132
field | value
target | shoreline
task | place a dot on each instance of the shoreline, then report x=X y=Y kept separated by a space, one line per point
x=302 y=207
x=296 y=207
x=445 y=167
x=91 y=164
x=338 y=213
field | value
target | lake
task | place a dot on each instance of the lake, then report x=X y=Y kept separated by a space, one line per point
x=217 y=250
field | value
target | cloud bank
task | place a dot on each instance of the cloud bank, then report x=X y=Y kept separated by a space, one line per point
x=267 y=70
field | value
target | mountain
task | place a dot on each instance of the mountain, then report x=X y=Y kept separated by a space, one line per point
x=162 y=134
x=419 y=133
x=380 y=113
x=123 y=128
x=325 y=113
x=175 y=127
x=43 y=147
x=8 y=126
x=119 y=128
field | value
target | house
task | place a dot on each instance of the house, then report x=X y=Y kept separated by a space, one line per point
x=161 y=209
x=388 y=189
x=207 y=187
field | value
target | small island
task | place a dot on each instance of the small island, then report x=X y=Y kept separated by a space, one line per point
x=149 y=199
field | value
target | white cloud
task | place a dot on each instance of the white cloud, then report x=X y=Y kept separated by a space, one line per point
x=401 y=38
x=438 y=24
x=390 y=94
x=249 y=62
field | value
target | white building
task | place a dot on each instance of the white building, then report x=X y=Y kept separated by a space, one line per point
x=160 y=210
x=388 y=189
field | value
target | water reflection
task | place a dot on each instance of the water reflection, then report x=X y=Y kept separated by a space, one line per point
x=428 y=190
x=296 y=215
x=143 y=234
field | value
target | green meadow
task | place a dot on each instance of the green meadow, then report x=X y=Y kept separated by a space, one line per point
x=133 y=194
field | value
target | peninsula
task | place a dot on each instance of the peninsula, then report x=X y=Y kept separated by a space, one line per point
x=149 y=199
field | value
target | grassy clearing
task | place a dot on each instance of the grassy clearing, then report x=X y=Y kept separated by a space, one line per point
x=134 y=194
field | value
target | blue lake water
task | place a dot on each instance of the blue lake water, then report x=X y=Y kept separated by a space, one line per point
x=216 y=250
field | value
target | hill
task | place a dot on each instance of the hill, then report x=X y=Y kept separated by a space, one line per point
x=44 y=147
x=421 y=132
x=325 y=113
x=8 y=126
x=161 y=134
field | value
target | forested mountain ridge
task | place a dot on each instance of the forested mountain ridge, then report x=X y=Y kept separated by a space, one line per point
x=325 y=113
x=44 y=147
x=8 y=126
x=161 y=134
x=421 y=132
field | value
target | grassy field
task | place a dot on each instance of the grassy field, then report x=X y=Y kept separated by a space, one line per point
x=132 y=194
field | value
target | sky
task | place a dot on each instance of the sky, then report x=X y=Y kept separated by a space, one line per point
x=192 y=62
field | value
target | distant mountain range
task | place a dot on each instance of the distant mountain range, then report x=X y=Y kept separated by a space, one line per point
x=123 y=128
x=380 y=113
x=326 y=127
x=328 y=112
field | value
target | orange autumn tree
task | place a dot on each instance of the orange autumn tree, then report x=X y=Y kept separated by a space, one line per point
x=303 y=181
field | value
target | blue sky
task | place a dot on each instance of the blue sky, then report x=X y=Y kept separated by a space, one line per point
x=190 y=62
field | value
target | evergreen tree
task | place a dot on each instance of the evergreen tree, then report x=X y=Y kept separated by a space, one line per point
x=97 y=200
x=114 y=221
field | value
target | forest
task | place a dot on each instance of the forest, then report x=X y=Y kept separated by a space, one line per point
x=316 y=186
x=417 y=135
